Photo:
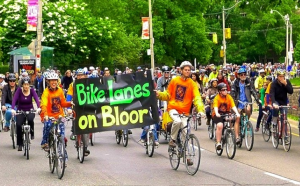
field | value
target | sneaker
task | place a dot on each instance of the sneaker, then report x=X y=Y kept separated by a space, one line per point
x=286 y=140
x=129 y=131
x=189 y=162
x=238 y=141
x=142 y=140
x=199 y=121
x=72 y=137
x=257 y=129
x=218 y=146
x=172 y=143
x=87 y=152
x=6 y=129
x=156 y=143
x=20 y=148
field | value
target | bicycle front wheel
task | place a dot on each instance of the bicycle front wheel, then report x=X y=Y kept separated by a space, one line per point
x=80 y=148
x=12 y=134
x=51 y=155
x=192 y=154
x=287 y=137
x=275 y=136
x=125 y=138
x=249 y=136
x=230 y=144
x=265 y=131
x=211 y=129
x=150 y=143
x=118 y=134
x=92 y=138
x=174 y=157
x=26 y=145
x=60 y=157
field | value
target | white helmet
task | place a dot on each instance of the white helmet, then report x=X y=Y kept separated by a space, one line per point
x=261 y=71
x=2 y=76
x=92 y=68
x=186 y=63
x=52 y=75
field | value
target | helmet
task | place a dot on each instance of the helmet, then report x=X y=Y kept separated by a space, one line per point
x=165 y=68
x=12 y=77
x=25 y=80
x=80 y=71
x=212 y=80
x=91 y=68
x=53 y=76
x=186 y=63
x=269 y=78
x=242 y=70
x=280 y=72
x=261 y=71
x=23 y=70
x=221 y=86
x=24 y=74
x=46 y=74
x=94 y=74
x=139 y=68
x=2 y=76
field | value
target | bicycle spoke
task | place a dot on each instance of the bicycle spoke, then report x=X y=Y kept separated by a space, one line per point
x=192 y=155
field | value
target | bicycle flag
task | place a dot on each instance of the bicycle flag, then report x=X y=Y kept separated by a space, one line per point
x=129 y=102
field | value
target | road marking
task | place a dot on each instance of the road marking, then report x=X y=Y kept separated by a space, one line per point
x=294 y=134
x=283 y=178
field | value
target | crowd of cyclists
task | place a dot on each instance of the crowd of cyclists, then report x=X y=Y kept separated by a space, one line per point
x=212 y=90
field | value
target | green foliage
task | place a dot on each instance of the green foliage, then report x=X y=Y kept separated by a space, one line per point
x=3 y=69
x=295 y=81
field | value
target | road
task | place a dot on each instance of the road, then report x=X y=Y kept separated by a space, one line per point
x=112 y=164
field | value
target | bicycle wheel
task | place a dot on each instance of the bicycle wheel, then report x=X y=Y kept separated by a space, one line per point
x=241 y=140
x=26 y=145
x=125 y=138
x=12 y=133
x=174 y=157
x=211 y=129
x=195 y=122
x=275 y=137
x=51 y=155
x=249 y=136
x=92 y=138
x=118 y=134
x=287 y=137
x=265 y=131
x=150 y=143
x=192 y=154
x=230 y=144
x=80 y=148
x=60 y=157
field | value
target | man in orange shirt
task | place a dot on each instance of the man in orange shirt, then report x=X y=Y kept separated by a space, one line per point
x=223 y=103
x=181 y=93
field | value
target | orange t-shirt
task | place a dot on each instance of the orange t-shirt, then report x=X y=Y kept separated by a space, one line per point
x=224 y=104
x=182 y=92
x=52 y=103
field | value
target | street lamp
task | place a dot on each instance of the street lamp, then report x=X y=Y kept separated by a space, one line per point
x=224 y=40
x=287 y=22
x=151 y=36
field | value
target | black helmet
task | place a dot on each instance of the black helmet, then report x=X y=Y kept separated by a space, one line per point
x=25 y=80
x=165 y=68
x=12 y=77
x=221 y=86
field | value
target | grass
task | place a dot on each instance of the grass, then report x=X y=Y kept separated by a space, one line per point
x=295 y=81
x=293 y=117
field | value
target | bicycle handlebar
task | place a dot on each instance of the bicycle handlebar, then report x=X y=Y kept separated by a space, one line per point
x=18 y=112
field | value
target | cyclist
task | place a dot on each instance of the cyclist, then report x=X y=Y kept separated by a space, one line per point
x=259 y=81
x=223 y=103
x=242 y=90
x=52 y=103
x=23 y=97
x=181 y=93
x=203 y=77
x=164 y=80
x=213 y=74
x=211 y=92
x=8 y=93
x=280 y=87
x=80 y=74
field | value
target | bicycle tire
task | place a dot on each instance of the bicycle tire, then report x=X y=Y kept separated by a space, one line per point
x=249 y=136
x=287 y=138
x=60 y=157
x=92 y=138
x=118 y=136
x=26 y=145
x=241 y=141
x=80 y=148
x=211 y=129
x=192 y=147
x=230 y=143
x=125 y=138
x=195 y=122
x=150 y=143
x=12 y=134
x=275 y=137
x=264 y=131
x=51 y=155
x=174 y=157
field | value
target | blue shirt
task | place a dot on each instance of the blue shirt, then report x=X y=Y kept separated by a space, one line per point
x=242 y=95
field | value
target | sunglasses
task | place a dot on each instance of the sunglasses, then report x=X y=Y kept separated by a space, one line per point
x=242 y=74
x=167 y=72
x=12 y=81
x=223 y=90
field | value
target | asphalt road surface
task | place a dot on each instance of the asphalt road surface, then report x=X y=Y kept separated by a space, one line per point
x=113 y=164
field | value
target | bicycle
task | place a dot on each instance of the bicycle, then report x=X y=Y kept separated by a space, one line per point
x=196 y=122
x=228 y=136
x=246 y=129
x=57 y=153
x=188 y=148
x=122 y=135
x=265 y=126
x=150 y=140
x=285 y=131
x=92 y=138
x=13 y=133
x=212 y=126
x=25 y=131
x=2 y=120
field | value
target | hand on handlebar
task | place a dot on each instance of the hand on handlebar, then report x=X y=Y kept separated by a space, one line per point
x=46 y=118
x=238 y=115
x=218 y=115
x=38 y=110
x=3 y=108
x=69 y=111
x=13 y=112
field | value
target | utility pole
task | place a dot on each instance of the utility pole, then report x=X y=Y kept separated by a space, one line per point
x=39 y=48
x=224 y=40
x=151 y=37
x=287 y=40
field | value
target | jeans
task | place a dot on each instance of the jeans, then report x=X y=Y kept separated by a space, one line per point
x=144 y=133
x=8 y=114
